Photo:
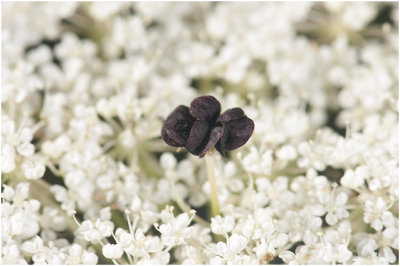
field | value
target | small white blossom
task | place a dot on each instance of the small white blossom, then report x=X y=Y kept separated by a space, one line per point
x=258 y=162
x=354 y=179
x=176 y=230
x=32 y=246
x=33 y=169
x=374 y=210
x=111 y=251
x=222 y=225
x=96 y=231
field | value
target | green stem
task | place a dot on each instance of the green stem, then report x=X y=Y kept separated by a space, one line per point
x=213 y=185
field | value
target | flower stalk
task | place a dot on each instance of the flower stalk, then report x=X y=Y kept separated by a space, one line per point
x=213 y=185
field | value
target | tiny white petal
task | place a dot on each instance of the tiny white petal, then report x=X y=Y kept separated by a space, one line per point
x=341 y=199
x=25 y=135
x=75 y=250
x=168 y=161
x=318 y=210
x=136 y=204
x=111 y=251
x=8 y=192
x=89 y=258
x=350 y=180
x=7 y=158
x=366 y=247
x=237 y=243
x=287 y=152
x=331 y=219
x=33 y=169
x=362 y=172
x=32 y=246
x=105 y=213
x=217 y=260
x=344 y=253
x=287 y=256
x=26 y=149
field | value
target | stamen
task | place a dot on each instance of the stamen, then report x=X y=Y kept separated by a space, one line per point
x=115 y=238
x=127 y=212
x=348 y=133
x=73 y=217
x=37 y=126
x=204 y=245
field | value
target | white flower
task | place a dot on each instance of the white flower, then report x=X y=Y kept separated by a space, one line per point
x=343 y=253
x=373 y=212
x=194 y=57
x=33 y=169
x=229 y=251
x=390 y=235
x=286 y=152
x=53 y=219
x=136 y=203
x=16 y=143
x=32 y=246
x=168 y=161
x=295 y=224
x=8 y=158
x=20 y=219
x=96 y=231
x=176 y=230
x=309 y=158
x=287 y=257
x=137 y=244
x=159 y=258
x=354 y=179
x=54 y=149
x=367 y=247
x=103 y=11
x=77 y=255
x=222 y=225
x=11 y=254
x=357 y=15
x=301 y=256
x=111 y=251
x=335 y=207
x=217 y=260
x=258 y=162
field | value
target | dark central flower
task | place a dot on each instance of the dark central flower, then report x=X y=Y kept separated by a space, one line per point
x=201 y=127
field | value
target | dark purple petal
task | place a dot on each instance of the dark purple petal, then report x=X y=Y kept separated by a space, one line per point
x=231 y=114
x=215 y=136
x=197 y=135
x=201 y=127
x=205 y=107
x=235 y=134
x=176 y=128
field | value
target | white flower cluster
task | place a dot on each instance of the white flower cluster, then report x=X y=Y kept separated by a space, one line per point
x=87 y=179
x=28 y=233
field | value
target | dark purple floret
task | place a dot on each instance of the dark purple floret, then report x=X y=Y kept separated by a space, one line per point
x=201 y=127
x=235 y=134
x=197 y=136
x=177 y=126
x=231 y=114
x=205 y=107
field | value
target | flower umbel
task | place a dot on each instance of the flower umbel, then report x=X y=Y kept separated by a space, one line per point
x=87 y=179
x=201 y=127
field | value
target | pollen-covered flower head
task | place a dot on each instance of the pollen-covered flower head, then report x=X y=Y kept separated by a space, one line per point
x=201 y=127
